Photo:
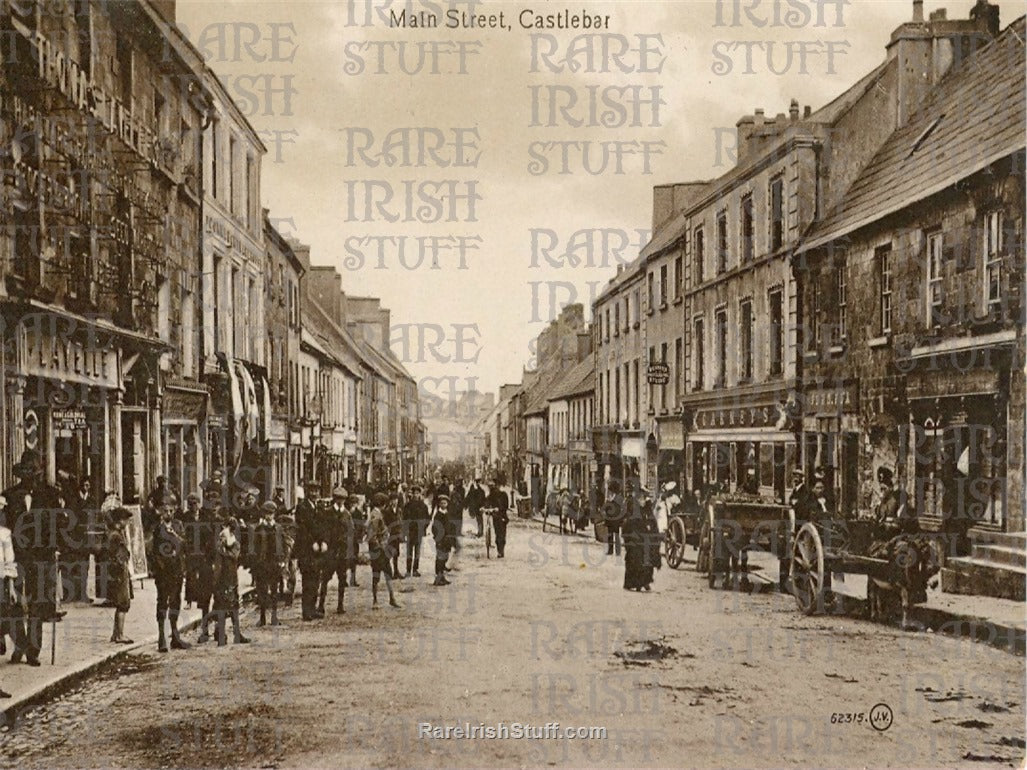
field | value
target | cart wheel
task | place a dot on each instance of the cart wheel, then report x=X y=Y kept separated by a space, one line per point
x=808 y=570
x=675 y=543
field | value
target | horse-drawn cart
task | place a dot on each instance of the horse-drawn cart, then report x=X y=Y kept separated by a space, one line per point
x=894 y=563
x=726 y=529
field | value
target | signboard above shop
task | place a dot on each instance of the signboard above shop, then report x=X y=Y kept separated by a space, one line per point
x=658 y=373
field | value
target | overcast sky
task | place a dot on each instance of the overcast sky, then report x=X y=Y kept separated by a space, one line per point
x=309 y=53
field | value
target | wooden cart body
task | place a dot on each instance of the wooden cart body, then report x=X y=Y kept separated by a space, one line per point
x=734 y=526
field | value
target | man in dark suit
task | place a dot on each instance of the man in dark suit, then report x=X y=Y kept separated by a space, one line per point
x=474 y=500
x=33 y=510
x=415 y=523
x=500 y=501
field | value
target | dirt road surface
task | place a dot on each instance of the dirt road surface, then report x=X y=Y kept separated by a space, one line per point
x=681 y=677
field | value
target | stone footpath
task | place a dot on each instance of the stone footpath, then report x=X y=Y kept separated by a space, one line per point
x=83 y=643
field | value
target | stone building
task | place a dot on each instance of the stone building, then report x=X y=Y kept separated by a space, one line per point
x=233 y=270
x=913 y=291
x=620 y=374
x=284 y=321
x=102 y=111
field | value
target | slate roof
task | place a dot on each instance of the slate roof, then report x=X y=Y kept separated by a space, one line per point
x=974 y=117
x=579 y=379
x=829 y=114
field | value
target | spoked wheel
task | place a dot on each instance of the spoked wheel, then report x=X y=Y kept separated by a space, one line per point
x=808 y=570
x=675 y=543
x=702 y=559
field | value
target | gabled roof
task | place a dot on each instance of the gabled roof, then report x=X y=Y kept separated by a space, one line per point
x=579 y=379
x=974 y=117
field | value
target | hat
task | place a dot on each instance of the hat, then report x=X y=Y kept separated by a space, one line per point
x=269 y=507
x=29 y=465
x=670 y=486
x=340 y=492
x=280 y=488
x=442 y=499
x=211 y=485
x=192 y=498
x=885 y=475
x=121 y=513
x=379 y=499
x=798 y=474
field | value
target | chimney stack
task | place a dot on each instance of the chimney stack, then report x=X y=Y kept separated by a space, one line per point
x=940 y=15
x=759 y=114
x=918 y=10
x=793 y=110
x=807 y=111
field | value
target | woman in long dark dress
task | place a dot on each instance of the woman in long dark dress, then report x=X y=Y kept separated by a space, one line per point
x=641 y=548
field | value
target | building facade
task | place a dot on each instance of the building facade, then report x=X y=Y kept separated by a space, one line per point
x=238 y=426
x=913 y=294
x=101 y=186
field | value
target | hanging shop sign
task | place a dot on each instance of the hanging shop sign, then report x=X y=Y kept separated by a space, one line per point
x=658 y=373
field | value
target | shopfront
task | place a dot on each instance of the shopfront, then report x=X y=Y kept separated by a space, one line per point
x=831 y=439
x=730 y=447
x=182 y=414
x=958 y=434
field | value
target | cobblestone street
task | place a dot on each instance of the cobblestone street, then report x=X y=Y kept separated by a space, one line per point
x=683 y=676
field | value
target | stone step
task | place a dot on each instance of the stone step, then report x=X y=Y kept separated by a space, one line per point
x=977 y=577
x=1000 y=554
x=1004 y=539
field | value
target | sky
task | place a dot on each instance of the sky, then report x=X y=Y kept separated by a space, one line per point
x=484 y=153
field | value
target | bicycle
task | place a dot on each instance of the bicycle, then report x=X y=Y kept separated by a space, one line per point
x=487 y=514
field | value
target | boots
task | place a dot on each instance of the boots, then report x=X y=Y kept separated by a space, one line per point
x=118 y=636
x=162 y=642
x=239 y=638
x=392 y=596
x=274 y=613
x=176 y=640
x=340 y=610
x=263 y=617
x=374 y=593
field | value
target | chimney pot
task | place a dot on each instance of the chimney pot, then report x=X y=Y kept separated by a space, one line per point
x=807 y=111
x=918 y=10
x=939 y=15
x=793 y=109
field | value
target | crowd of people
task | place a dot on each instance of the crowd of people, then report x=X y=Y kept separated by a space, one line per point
x=52 y=537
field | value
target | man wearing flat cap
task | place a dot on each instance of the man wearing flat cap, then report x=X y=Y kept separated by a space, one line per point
x=169 y=554
x=415 y=523
x=268 y=561
x=340 y=535
x=32 y=507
